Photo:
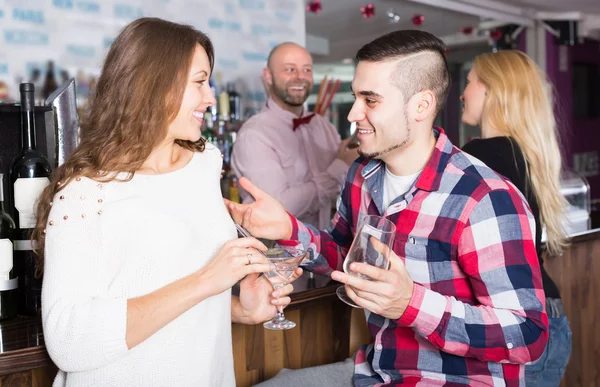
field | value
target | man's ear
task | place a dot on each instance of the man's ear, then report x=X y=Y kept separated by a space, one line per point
x=425 y=105
x=267 y=76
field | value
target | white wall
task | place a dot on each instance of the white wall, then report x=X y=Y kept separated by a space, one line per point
x=76 y=34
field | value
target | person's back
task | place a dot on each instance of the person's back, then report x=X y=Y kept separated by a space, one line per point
x=508 y=96
x=503 y=155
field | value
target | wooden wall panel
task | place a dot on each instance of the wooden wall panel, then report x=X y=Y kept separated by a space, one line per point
x=577 y=274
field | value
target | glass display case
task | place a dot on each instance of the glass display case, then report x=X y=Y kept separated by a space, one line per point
x=576 y=191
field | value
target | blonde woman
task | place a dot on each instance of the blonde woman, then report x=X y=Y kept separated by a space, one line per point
x=509 y=98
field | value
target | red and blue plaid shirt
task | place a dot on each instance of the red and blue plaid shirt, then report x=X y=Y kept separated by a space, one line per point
x=466 y=236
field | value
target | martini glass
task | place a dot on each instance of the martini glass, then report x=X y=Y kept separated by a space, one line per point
x=285 y=260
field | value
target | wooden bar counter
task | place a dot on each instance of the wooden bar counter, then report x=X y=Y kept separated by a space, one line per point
x=328 y=330
x=23 y=357
x=321 y=336
x=577 y=275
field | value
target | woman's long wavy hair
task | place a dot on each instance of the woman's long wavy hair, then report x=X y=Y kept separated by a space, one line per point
x=137 y=96
x=519 y=103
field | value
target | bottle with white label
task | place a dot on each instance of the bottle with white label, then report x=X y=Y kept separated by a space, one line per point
x=223 y=105
x=8 y=281
x=29 y=175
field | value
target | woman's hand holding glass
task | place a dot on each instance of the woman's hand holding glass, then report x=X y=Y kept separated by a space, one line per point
x=235 y=260
x=259 y=298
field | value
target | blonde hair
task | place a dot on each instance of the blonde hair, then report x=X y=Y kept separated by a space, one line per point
x=519 y=104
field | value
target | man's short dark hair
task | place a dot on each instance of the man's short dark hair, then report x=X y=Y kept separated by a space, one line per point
x=421 y=72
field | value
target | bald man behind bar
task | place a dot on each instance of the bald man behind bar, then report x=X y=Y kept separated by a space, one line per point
x=294 y=155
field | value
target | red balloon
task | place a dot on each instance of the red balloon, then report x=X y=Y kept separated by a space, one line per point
x=368 y=11
x=418 y=20
x=314 y=6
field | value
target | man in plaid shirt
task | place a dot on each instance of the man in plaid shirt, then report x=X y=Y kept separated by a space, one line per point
x=462 y=303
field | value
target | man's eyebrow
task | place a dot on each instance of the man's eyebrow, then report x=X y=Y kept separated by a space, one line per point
x=366 y=93
x=369 y=93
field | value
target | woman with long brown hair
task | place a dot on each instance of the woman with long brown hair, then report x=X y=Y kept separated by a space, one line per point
x=139 y=251
x=509 y=98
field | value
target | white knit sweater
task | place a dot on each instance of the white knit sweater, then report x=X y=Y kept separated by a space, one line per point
x=108 y=242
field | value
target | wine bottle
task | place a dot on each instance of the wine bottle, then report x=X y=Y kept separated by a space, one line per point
x=29 y=175
x=234 y=191
x=223 y=104
x=214 y=109
x=50 y=83
x=208 y=119
x=8 y=282
x=235 y=108
x=224 y=145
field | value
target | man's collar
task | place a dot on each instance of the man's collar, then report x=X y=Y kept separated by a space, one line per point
x=272 y=105
x=430 y=178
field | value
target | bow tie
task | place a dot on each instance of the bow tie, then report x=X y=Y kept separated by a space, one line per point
x=302 y=120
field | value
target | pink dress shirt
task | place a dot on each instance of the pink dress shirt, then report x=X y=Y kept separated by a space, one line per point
x=297 y=167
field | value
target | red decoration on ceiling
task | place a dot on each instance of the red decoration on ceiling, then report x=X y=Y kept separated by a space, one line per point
x=368 y=11
x=314 y=6
x=467 y=30
x=496 y=34
x=417 y=20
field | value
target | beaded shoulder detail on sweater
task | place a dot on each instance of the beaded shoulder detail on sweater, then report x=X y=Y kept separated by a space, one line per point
x=81 y=198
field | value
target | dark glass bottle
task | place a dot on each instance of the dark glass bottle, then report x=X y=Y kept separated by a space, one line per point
x=235 y=106
x=29 y=175
x=8 y=282
x=214 y=109
x=224 y=144
x=50 y=83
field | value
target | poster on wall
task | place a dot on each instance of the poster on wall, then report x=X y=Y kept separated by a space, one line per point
x=76 y=35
